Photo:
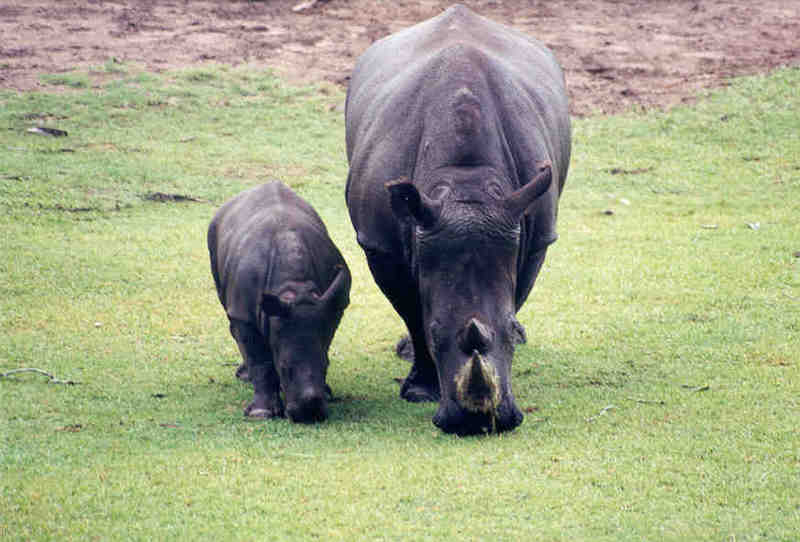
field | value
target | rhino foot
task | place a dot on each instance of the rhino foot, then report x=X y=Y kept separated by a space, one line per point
x=420 y=386
x=419 y=394
x=417 y=388
x=258 y=409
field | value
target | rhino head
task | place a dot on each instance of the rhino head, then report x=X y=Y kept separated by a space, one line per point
x=302 y=323
x=464 y=252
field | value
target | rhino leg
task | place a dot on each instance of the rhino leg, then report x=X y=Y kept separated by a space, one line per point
x=422 y=382
x=421 y=385
x=242 y=370
x=261 y=371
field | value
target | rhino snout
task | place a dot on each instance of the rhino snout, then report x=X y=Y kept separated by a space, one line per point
x=478 y=405
x=308 y=406
x=453 y=418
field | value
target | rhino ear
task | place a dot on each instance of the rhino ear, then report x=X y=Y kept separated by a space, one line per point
x=408 y=202
x=273 y=305
x=520 y=201
x=339 y=290
x=518 y=332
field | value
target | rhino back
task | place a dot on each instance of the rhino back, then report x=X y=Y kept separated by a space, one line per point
x=399 y=117
x=244 y=239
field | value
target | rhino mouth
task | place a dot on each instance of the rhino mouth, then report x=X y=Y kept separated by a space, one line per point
x=309 y=406
x=477 y=406
x=452 y=418
x=309 y=411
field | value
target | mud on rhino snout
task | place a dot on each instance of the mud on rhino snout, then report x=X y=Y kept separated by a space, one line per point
x=478 y=405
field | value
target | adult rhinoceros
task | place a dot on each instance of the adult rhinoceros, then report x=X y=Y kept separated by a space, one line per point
x=458 y=141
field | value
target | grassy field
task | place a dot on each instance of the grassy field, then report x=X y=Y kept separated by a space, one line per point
x=661 y=379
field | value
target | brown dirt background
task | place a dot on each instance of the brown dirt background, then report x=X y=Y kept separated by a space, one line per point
x=617 y=54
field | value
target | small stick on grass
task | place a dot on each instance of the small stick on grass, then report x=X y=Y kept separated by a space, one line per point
x=53 y=379
x=602 y=412
x=696 y=388
x=647 y=401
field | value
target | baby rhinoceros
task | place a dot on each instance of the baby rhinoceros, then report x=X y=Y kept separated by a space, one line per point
x=284 y=287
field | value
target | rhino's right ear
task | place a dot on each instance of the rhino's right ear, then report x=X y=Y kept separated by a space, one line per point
x=408 y=202
x=519 y=202
x=339 y=290
x=518 y=332
x=272 y=305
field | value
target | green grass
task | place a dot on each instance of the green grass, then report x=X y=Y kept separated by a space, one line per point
x=660 y=380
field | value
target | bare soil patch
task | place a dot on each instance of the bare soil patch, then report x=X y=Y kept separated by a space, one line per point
x=617 y=54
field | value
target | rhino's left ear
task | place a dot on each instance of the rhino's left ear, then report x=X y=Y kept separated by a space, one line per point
x=272 y=305
x=520 y=201
x=407 y=202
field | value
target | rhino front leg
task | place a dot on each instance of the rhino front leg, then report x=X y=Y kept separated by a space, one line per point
x=422 y=382
x=392 y=277
x=257 y=358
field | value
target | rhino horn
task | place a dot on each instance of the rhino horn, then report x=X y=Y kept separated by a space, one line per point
x=477 y=385
x=407 y=202
x=476 y=336
x=520 y=201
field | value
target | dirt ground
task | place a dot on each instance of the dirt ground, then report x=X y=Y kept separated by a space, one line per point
x=617 y=54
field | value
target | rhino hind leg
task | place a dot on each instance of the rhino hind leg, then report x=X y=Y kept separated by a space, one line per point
x=261 y=372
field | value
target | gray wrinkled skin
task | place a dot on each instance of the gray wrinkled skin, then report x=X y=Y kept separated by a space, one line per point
x=284 y=287
x=458 y=141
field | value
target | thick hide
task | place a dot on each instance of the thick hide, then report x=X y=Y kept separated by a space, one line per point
x=458 y=141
